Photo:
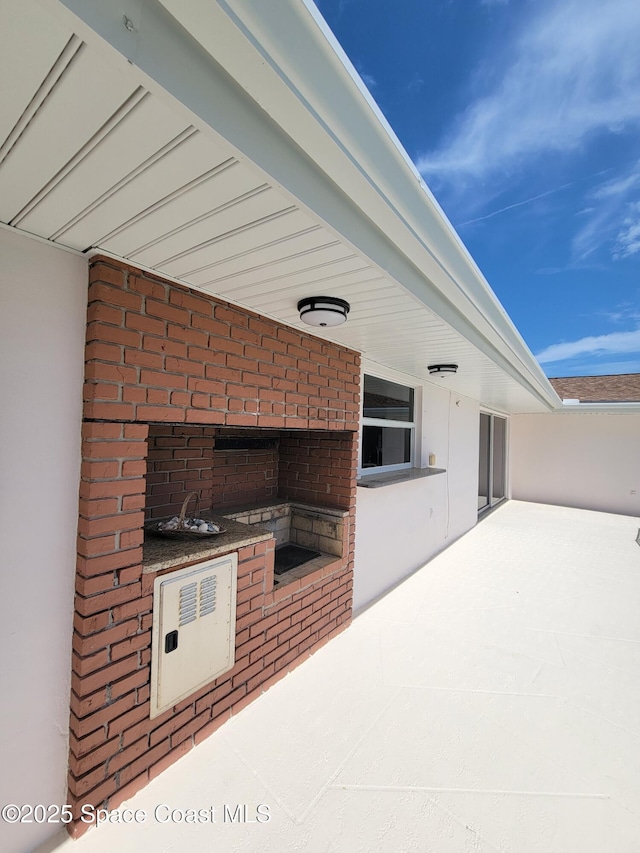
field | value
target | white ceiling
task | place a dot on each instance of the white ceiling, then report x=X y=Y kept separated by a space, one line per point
x=91 y=159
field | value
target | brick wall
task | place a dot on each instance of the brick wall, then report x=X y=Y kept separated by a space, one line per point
x=316 y=469
x=157 y=353
x=183 y=459
x=160 y=352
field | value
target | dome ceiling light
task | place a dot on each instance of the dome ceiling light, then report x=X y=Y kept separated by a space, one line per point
x=442 y=369
x=323 y=310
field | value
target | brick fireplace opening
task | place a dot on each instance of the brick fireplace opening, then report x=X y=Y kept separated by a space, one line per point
x=181 y=460
x=235 y=467
x=170 y=373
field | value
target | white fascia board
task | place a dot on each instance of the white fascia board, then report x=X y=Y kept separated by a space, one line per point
x=272 y=81
x=631 y=408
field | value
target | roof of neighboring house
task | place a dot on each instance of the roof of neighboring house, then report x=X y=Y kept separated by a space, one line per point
x=622 y=388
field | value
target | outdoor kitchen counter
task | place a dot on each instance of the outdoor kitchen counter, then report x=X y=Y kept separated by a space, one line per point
x=390 y=478
x=161 y=552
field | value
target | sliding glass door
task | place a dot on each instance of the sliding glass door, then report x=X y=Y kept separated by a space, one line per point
x=492 y=471
x=484 y=485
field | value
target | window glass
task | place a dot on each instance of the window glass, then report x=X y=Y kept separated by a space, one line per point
x=387 y=400
x=385 y=446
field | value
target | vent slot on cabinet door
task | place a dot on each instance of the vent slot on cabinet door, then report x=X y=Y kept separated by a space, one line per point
x=194 y=620
x=188 y=603
x=208 y=595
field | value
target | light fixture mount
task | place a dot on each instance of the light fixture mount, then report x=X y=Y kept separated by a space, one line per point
x=323 y=310
x=442 y=369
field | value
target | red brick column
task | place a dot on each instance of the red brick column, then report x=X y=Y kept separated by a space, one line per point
x=112 y=623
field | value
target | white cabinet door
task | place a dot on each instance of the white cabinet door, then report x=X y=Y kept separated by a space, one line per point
x=194 y=619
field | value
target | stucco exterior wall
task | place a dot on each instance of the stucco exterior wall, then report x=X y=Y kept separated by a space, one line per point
x=43 y=299
x=584 y=460
x=400 y=527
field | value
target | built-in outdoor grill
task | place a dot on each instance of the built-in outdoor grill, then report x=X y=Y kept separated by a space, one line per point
x=289 y=557
x=246 y=476
x=187 y=394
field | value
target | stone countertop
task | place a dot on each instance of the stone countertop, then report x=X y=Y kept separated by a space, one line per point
x=163 y=552
x=390 y=478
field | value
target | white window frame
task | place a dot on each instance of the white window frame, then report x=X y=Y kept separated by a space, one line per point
x=413 y=425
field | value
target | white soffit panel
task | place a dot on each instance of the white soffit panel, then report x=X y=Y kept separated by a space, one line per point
x=144 y=119
x=186 y=247
x=261 y=262
x=69 y=119
x=308 y=274
x=241 y=238
x=183 y=160
x=339 y=267
x=208 y=193
x=32 y=35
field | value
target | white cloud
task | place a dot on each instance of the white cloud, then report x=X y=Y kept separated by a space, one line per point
x=598 y=229
x=628 y=239
x=596 y=368
x=514 y=205
x=624 y=313
x=619 y=186
x=614 y=342
x=415 y=85
x=575 y=69
x=369 y=80
x=611 y=217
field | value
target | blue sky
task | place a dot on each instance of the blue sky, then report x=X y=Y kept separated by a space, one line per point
x=523 y=116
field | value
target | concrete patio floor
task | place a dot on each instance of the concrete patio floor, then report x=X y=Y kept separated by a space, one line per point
x=490 y=702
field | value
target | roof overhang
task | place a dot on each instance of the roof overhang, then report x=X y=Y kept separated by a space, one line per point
x=271 y=90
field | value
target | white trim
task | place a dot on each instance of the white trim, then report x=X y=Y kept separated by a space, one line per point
x=488 y=410
x=599 y=409
x=389 y=422
x=383 y=469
